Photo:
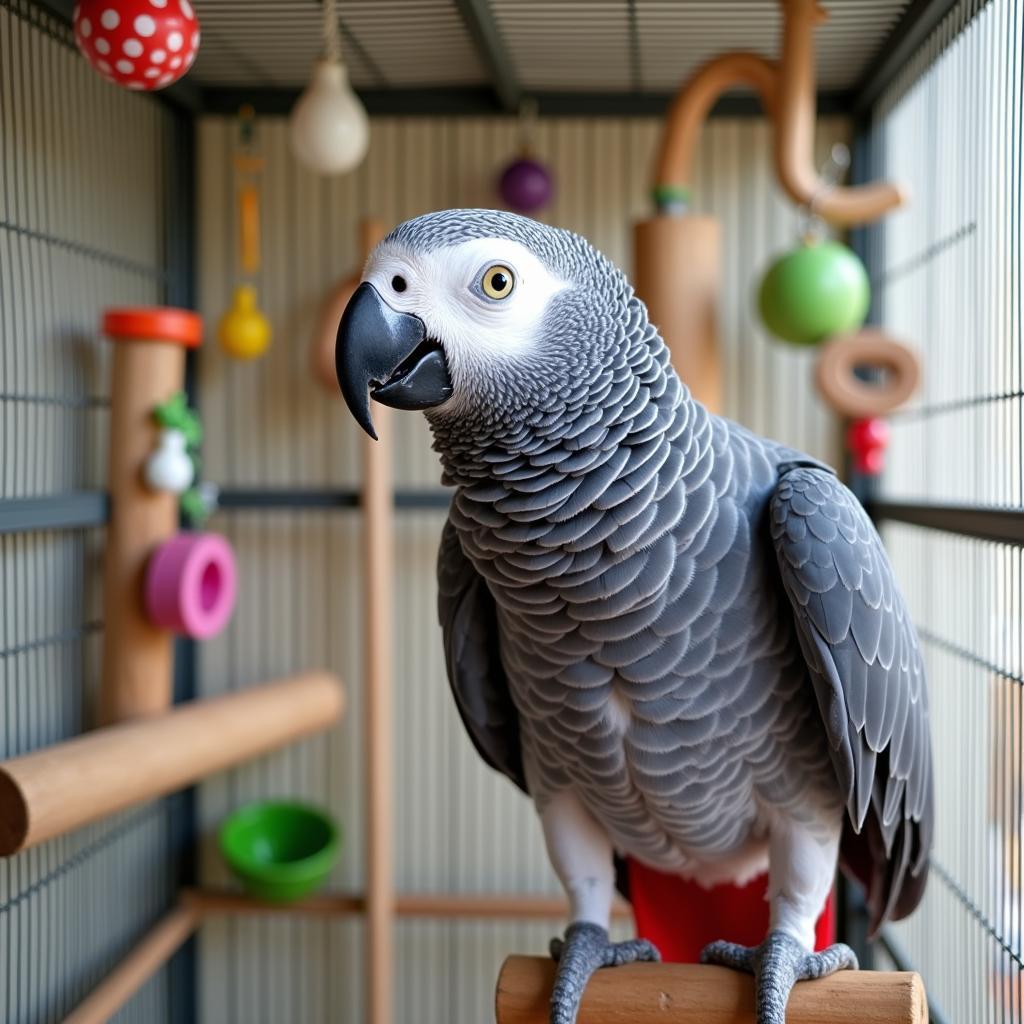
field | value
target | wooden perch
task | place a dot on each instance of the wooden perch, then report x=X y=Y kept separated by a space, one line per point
x=692 y=994
x=447 y=906
x=136 y=968
x=60 y=788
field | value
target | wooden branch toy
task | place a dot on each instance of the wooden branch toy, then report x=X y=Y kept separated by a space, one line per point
x=677 y=257
x=698 y=994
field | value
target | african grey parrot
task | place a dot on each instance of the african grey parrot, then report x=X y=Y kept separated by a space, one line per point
x=683 y=641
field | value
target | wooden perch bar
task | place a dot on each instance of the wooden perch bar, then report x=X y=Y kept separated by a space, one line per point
x=136 y=968
x=693 y=994
x=465 y=906
x=52 y=791
x=378 y=632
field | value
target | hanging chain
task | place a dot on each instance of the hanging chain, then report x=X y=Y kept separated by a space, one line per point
x=813 y=227
x=528 y=108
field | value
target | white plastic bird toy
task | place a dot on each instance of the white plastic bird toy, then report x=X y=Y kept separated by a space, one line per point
x=170 y=467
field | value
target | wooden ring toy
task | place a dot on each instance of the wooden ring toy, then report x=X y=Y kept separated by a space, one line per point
x=191 y=584
x=838 y=384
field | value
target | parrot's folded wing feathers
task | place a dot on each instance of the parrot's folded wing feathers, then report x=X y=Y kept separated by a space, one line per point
x=865 y=663
x=471 y=649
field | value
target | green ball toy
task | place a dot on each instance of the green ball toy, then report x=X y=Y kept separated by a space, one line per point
x=814 y=292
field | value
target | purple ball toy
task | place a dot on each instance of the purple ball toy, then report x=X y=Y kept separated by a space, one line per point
x=526 y=185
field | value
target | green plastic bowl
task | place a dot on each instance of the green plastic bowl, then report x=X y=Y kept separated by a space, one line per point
x=280 y=850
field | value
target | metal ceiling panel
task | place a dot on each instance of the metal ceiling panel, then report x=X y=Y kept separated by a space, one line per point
x=587 y=44
x=549 y=45
x=676 y=38
x=386 y=43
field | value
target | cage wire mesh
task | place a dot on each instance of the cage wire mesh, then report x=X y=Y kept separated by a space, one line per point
x=82 y=226
x=947 y=276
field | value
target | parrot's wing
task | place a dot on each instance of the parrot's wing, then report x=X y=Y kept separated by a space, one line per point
x=469 y=625
x=865 y=662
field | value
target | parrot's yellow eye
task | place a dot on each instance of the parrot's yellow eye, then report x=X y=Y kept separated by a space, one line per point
x=498 y=281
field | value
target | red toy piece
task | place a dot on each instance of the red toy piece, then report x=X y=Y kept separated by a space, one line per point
x=681 y=917
x=867 y=440
x=138 y=44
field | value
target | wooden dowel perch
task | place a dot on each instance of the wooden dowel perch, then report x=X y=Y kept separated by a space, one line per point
x=693 y=994
x=51 y=791
x=378 y=631
x=136 y=968
x=447 y=906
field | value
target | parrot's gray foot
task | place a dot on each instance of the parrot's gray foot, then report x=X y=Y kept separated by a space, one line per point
x=777 y=965
x=585 y=949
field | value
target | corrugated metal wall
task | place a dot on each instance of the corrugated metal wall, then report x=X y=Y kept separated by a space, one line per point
x=948 y=277
x=268 y=425
x=82 y=202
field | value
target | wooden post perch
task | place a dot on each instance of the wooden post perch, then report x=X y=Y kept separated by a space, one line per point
x=693 y=994
x=148 y=369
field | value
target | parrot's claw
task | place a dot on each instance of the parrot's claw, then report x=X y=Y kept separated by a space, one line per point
x=777 y=965
x=585 y=949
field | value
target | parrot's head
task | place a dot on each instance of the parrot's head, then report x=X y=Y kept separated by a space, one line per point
x=483 y=318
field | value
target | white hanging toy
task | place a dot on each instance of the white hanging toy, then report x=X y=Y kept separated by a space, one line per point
x=170 y=467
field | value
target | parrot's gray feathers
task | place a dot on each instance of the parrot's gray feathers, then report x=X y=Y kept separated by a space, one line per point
x=865 y=663
x=692 y=629
x=470 y=633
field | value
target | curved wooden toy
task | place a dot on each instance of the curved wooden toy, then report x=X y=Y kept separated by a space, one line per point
x=787 y=91
x=849 y=395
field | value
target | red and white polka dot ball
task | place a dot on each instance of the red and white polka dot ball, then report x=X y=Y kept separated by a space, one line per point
x=138 y=44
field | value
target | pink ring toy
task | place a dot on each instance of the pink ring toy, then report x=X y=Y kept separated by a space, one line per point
x=191 y=584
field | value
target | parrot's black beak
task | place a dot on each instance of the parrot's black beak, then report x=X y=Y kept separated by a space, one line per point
x=386 y=355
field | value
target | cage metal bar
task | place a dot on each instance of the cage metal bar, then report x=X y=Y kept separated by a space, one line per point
x=479 y=20
x=917 y=24
x=929 y=637
x=236 y=499
x=902 y=962
x=88 y=251
x=993 y=524
x=474 y=101
x=74 y=511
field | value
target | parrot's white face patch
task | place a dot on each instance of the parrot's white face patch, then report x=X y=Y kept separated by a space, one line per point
x=452 y=291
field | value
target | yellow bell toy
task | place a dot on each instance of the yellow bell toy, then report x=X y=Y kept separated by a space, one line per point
x=243 y=331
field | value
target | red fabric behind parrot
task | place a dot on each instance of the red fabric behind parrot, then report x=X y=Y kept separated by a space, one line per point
x=681 y=917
